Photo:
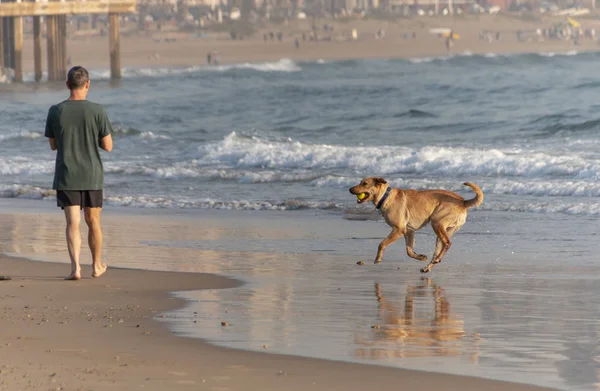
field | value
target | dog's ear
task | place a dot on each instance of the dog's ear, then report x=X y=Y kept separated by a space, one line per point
x=380 y=181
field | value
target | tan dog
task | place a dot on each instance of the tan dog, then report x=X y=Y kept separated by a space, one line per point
x=407 y=211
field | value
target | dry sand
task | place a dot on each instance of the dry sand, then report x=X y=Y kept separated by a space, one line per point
x=170 y=48
x=99 y=334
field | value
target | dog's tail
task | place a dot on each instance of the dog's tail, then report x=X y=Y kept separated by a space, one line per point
x=478 y=197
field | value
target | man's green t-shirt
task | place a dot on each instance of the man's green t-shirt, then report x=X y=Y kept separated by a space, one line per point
x=77 y=126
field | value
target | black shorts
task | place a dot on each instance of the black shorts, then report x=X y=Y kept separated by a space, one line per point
x=83 y=198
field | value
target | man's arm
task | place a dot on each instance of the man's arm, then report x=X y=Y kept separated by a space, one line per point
x=106 y=143
x=49 y=132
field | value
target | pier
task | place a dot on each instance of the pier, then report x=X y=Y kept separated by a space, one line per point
x=54 y=16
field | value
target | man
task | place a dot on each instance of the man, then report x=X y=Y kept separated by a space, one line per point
x=76 y=129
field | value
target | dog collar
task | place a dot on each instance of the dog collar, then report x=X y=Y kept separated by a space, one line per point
x=385 y=196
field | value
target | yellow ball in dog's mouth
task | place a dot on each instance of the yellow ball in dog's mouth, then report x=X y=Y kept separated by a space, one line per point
x=361 y=196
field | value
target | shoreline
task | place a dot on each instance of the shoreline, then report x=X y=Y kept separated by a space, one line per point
x=166 y=49
x=37 y=303
x=105 y=332
x=102 y=344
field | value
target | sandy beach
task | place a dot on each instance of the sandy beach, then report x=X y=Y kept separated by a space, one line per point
x=170 y=48
x=103 y=333
x=100 y=335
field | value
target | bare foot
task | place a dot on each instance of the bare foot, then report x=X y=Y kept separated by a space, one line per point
x=99 y=270
x=74 y=276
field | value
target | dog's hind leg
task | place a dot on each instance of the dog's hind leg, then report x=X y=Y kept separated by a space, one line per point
x=410 y=244
x=442 y=245
x=391 y=238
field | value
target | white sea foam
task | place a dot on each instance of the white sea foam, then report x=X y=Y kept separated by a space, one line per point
x=537 y=188
x=25 y=166
x=570 y=208
x=164 y=202
x=17 y=135
x=555 y=206
x=244 y=152
x=194 y=169
x=283 y=65
x=467 y=53
x=554 y=54
x=558 y=205
x=25 y=191
x=153 y=136
x=421 y=60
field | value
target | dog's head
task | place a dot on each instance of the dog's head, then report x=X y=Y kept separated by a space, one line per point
x=371 y=186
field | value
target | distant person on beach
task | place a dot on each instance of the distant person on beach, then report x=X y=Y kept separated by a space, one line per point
x=449 y=42
x=77 y=128
x=209 y=58
x=215 y=58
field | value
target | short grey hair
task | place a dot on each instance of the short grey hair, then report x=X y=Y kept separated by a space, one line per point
x=77 y=77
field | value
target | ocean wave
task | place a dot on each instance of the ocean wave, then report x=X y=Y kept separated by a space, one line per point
x=592 y=84
x=561 y=207
x=414 y=113
x=20 y=135
x=26 y=192
x=118 y=130
x=537 y=188
x=24 y=166
x=569 y=208
x=532 y=187
x=560 y=188
x=283 y=65
x=560 y=123
x=468 y=57
x=252 y=152
x=126 y=131
x=153 y=136
x=195 y=170
x=252 y=159
x=164 y=202
x=554 y=54
x=558 y=205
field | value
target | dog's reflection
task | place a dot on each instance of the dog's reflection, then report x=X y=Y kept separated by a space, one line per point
x=432 y=332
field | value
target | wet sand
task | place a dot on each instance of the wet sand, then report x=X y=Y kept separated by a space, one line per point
x=500 y=306
x=100 y=335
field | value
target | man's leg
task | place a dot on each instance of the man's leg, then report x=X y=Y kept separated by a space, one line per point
x=92 y=219
x=73 y=216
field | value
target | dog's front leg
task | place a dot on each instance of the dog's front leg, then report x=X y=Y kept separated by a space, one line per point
x=391 y=238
